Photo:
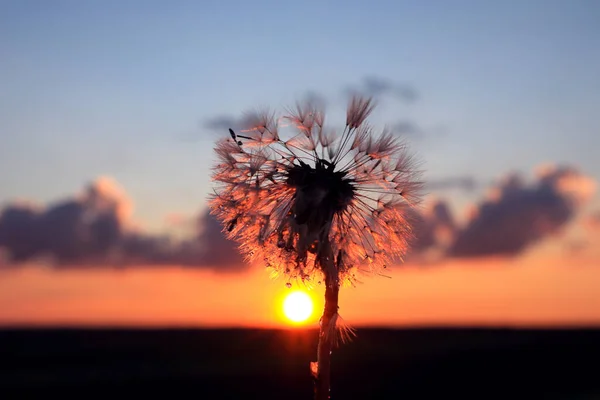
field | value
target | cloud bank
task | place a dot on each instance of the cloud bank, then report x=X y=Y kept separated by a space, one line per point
x=516 y=215
x=94 y=227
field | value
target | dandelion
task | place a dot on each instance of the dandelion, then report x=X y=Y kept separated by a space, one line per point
x=317 y=205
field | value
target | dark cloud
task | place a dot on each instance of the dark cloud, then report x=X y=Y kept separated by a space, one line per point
x=375 y=86
x=517 y=215
x=85 y=227
x=207 y=248
x=94 y=229
x=217 y=250
x=18 y=233
x=434 y=227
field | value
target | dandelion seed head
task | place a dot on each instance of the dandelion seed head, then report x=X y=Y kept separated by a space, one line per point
x=291 y=202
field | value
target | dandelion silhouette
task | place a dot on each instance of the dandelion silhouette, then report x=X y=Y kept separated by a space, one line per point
x=315 y=205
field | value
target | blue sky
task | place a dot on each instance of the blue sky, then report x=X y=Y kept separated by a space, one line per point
x=123 y=88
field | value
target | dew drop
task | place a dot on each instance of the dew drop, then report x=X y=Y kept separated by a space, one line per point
x=288 y=285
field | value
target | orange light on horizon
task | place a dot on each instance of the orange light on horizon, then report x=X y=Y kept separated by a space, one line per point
x=530 y=290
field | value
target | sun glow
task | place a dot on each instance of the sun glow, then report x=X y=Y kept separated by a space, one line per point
x=297 y=306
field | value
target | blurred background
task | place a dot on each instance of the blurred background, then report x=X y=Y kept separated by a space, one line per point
x=109 y=111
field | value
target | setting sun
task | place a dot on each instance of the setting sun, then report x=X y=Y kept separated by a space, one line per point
x=297 y=306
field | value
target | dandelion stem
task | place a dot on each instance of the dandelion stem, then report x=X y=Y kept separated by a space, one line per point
x=327 y=331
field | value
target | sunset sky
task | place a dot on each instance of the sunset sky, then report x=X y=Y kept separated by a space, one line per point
x=119 y=103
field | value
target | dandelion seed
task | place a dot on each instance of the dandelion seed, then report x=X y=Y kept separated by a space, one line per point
x=317 y=206
x=290 y=198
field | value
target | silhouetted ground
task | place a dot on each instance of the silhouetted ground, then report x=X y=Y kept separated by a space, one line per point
x=269 y=364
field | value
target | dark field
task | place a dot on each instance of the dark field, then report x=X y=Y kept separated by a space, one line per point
x=268 y=364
